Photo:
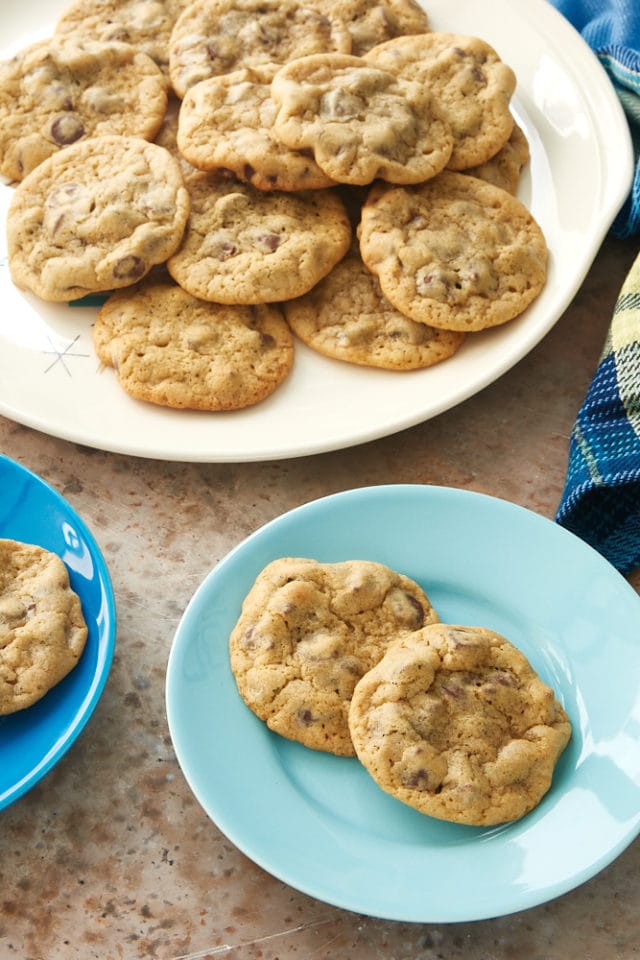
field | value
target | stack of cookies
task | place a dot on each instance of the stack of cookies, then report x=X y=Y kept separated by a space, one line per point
x=232 y=173
x=351 y=658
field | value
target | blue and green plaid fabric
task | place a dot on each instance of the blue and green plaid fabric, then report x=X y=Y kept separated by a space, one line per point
x=612 y=30
x=601 y=498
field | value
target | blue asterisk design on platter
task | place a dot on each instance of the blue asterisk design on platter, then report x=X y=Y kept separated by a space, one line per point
x=61 y=355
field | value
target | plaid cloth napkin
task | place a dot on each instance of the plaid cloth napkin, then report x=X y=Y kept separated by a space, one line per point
x=601 y=498
x=612 y=30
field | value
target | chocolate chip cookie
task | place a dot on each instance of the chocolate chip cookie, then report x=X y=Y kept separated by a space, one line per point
x=244 y=245
x=470 y=85
x=504 y=168
x=306 y=634
x=214 y=37
x=144 y=24
x=455 y=722
x=95 y=217
x=371 y=22
x=42 y=628
x=455 y=252
x=172 y=349
x=226 y=125
x=60 y=91
x=361 y=122
x=346 y=317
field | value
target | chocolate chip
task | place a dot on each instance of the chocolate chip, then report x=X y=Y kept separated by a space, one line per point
x=66 y=129
x=249 y=171
x=57 y=224
x=68 y=197
x=341 y=104
x=434 y=283
x=305 y=717
x=129 y=268
x=270 y=241
x=226 y=250
x=267 y=340
x=417 y=780
x=212 y=53
x=419 y=611
x=62 y=195
x=505 y=679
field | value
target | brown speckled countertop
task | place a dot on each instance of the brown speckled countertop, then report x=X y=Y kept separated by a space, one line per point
x=110 y=856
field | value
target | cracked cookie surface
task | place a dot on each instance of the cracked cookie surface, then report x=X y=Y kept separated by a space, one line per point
x=226 y=124
x=172 y=349
x=244 y=245
x=42 y=628
x=144 y=24
x=306 y=634
x=361 y=122
x=214 y=37
x=370 y=22
x=60 y=91
x=455 y=252
x=347 y=317
x=95 y=217
x=455 y=722
x=470 y=85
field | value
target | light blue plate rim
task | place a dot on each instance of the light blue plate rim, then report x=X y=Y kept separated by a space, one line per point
x=318 y=822
x=34 y=740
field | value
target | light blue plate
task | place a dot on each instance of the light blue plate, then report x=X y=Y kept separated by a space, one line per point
x=32 y=741
x=319 y=822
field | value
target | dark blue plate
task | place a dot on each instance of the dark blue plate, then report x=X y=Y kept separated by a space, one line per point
x=32 y=741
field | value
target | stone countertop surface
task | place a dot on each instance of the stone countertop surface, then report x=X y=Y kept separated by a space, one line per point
x=110 y=856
